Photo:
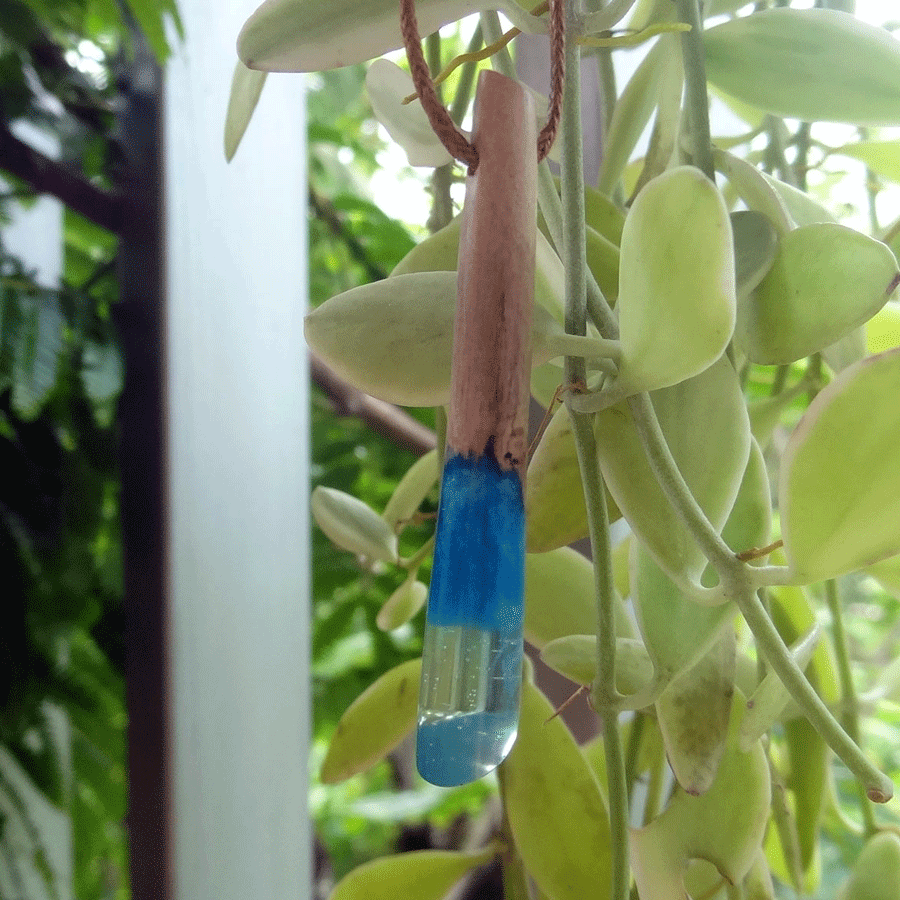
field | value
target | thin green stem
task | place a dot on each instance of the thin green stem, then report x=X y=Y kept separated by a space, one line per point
x=786 y=825
x=654 y=789
x=849 y=699
x=740 y=582
x=849 y=703
x=877 y=785
x=780 y=380
x=696 y=99
x=802 y=140
x=413 y=562
x=775 y=157
x=515 y=879
x=574 y=257
x=433 y=56
x=608 y=90
x=441 y=204
x=441 y=201
x=753 y=189
x=548 y=199
x=675 y=488
x=633 y=752
x=872 y=188
x=466 y=80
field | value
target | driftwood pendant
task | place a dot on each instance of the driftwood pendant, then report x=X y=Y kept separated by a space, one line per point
x=472 y=659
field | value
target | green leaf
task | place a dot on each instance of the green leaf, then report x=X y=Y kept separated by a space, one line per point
x=439 y=252
x=402 y=605
x=151 y=15
x=37 y=353
x=724 y=826
x=840 y=477
x=412 y=489
x=562 y=573
x=633 y=109
x=555 y=513
x=353 y=525
x=423 y=874
x=876 y=873
x=803 y=209
x=809 y=64
x=393 y=339
x=755 y=249
x=575 y=657
x=693 y=713
x=826 y=281
x=883 y=329
x=305 y=36
x=882 y=157
x=603 y=215
x=246 y=88
x=556 y=812
x=376 y=722
x=407 y=124
x=771 y=697
x=102 y=377
x=676 y=283
x=603 y=260
x=677 y=631
x=704 y=421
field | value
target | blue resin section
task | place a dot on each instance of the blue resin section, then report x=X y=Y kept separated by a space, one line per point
x=472 y=657
x=478 y=576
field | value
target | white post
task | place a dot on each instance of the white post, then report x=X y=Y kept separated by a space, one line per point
x=237 y=454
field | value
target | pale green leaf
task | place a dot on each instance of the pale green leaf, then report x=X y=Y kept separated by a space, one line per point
x=353 y=525
x=307 y=36
x=882 y=157
x=693 y=713
x=246 y=87
x=704 y=421
x=676 y=283
x=826 y=281
x=375 y=723
x=393 y=339
x=809 y=64
x=559 y=821
x=412 y=489
x=407 y=124
x=840 y=477
x=725 y=825
x=36 y=353
x=422 y=874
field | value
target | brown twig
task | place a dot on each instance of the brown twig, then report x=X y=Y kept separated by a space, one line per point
x=383 y=418
x=47 y=176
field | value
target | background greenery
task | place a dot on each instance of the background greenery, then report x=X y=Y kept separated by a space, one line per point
x=61 y=626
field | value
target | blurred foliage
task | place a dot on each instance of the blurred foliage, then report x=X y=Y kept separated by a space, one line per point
x=62 y=713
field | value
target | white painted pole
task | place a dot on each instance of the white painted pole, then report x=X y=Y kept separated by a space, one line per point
x=238 y=447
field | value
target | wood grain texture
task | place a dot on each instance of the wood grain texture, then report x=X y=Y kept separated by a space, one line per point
x=495 y=287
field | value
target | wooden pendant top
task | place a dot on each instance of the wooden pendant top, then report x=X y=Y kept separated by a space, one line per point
x=495 y=286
